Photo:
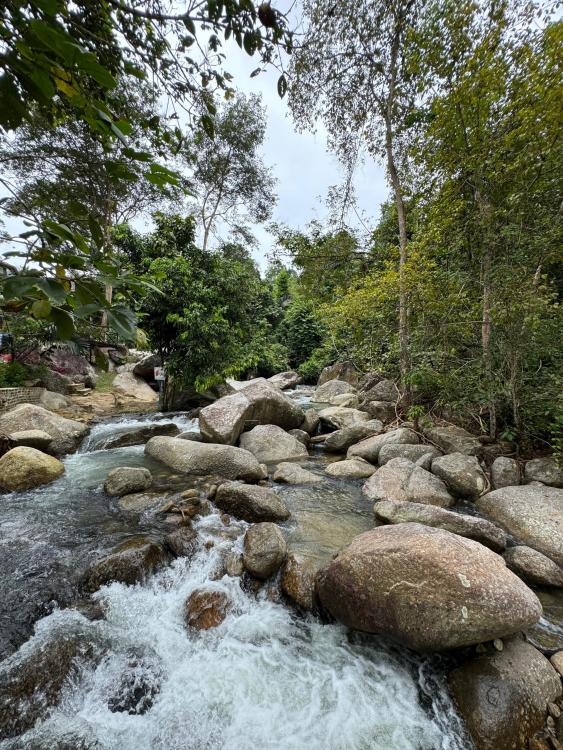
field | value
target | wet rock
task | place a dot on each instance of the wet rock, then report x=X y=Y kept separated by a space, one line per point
x=271 y=444
x=400 y=479
x=38 y=439
x=129 y=563
x=259 y=403
x=283 y=380
x=385 y=390
x=452 y=439
x=250 y=502
x=31 y=680
x=461 y=473
x=206 y=609
x=413 y=452
x=66 y=433
x=478 y=529
x=136 y=689
x=24 y=468
x=503 y=697
x=533 y=514
x=204 y=459
x=53 y=401
x=339 y=371
x=352 y=468
x=298 y=580
x=325 y=393
x=182 y=542
x=311 y=422
x=300 y=435
x=196 y=436
x=339 y=417
x=125 y=480
x=264 y=550
x=234 y=565
x=139 y=436
x=383 y=410
x=426 y=588
x=139 y=502
x=340 y=440
x=369 y=448
x=533 y=567
x=290 y=473
x=129 y=385
x=544 y=470
x=505 y=472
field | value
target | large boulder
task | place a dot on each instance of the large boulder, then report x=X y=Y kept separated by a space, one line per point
x=74 y=366
x=472 y=527
x=283 y=380
x=325 y=394
x=386 y=411
x=461 y=473
x=352 y=468
x=129 y=385
x=339 y=417
x=67 y=434
x=452 y=439
x=271 y=444
x=531 y=513
x=505 y=472
x=401 y=479
x=31 y=439
x=259 y=403
x=190 y=457
x=503 y=696
x=251 y=502
x=53 y=401
x=129 y=563
x=56 y=382
x=340 y=440
x=140 y=435
x=370 y=447
x=24 y=468
x=340 y=371
x=125 y=480
x=310 y=422
x=290 y=473
x=426 y=588
x=385 y=390
x=545 y=470
x=406 y=450
x=534 y=567
x=144 y=368
x=264 y=550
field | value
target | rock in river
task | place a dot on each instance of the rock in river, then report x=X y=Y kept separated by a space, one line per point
x=258 y=403
x=452 y=439
x=339 y=417
x=461 y=473
x=503 y=696
x=290 y=473
x=24 y=468
x=472 y=527
x=140 y=435
x=534 y=567
x=201 y=459
x=287 y=379
x=340 y=440
x=401 y=479
x=370 y=447
x=66 y=433
x=31 y=439
x=206 y=609
x=426 y=588
x=326 y=393
x=251 y=502
x=531 y=513
x=352 y=468
x=264 y=550
x=505 y=472
x=414 y=453
x=271 y=444
x=128 y=563
x=298 y=580
x=124 y=480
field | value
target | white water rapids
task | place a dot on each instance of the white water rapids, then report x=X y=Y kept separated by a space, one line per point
x=264 y=678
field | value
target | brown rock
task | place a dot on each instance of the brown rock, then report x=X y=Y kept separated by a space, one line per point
x=250 y=502
x=298 y=580
x=265 y=550
x=206 y=609
x=24 y=468
x=533 y=567
x=129 y=563
x=182 y=542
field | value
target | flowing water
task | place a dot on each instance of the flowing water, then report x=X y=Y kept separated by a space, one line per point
x=265 y=678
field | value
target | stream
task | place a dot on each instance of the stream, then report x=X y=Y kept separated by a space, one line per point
x=266 y=677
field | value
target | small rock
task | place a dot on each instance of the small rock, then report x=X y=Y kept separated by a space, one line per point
x=311 y=422
x=452 y=439
x=370 y=447
x=385 y=390
x=326 y=393
x=351 y=468
x=383 y=410
x=504 y=472
x=265 y=550
x=234 y=565
x=498 y=644
x=401 y=480
x=340 y=440
x=206 y=609
x=339 y=417
x=125 y=480
x=298 y=580
x=554 y=710
x=129 y=563
x=413 y=452
x=533 y=567
x=290 y=473
x=193 y=494
x=25 y=468
x=300 y=435
x=557 y=662
x=461 y=473
x=211 y=492
x=182 y=542
x=191 y=435
x=284 y=380
x=251 y=502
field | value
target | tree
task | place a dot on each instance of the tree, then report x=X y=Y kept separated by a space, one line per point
x=233 y=184
x=366 y=48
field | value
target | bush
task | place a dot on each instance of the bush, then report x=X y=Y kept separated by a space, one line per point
x=14 y=375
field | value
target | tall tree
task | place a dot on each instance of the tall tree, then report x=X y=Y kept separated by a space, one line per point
x=234 y=186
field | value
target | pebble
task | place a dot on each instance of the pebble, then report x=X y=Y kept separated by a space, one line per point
x=498 y=644
x=554 y=710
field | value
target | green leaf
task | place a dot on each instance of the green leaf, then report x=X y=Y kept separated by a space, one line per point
x=96 y=232
x=54 y=290
x=63 y=321
x=282 y=86
x=208 y=124
x=41 y=308
x=89 y=65
x=133 y=70
x=123 y=321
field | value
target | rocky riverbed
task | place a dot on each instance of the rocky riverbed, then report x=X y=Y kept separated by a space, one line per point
x=192 y=603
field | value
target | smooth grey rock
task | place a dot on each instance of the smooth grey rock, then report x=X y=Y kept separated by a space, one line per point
x=129 y=385
x=452 y=439
x=339 y=371
x=351 y=468
x=461 y=473
x=251 y=502
x=385 y=390
x=544 y=470
x=325 y=393
x=504 y=472
x=201 y=459
x=400 y=479
x=264 y=550
x=67 y=434
x=54 y=401
x=472 y=527
x=311 y=422
x=340 y=440
x=290 y=473
x=426 y=588
x=339 y=417
x=383 y=410
x=191 y=435
x=533 y=514
x=271 y=444
x=370 y=447
x=283 y=380
x=139 y=436
x=413 y=452
x=38 y=439
x=125 y=480
x=534 y=567
x=300 y=435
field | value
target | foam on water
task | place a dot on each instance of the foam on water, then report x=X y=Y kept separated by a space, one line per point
x=263 y=679
x=118 y=425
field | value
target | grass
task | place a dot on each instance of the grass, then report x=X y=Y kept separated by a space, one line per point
x=105 y=381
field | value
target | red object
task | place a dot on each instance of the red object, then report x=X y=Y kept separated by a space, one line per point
x=7 y=358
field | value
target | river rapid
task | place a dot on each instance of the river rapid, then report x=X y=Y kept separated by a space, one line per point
x=266 y=677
